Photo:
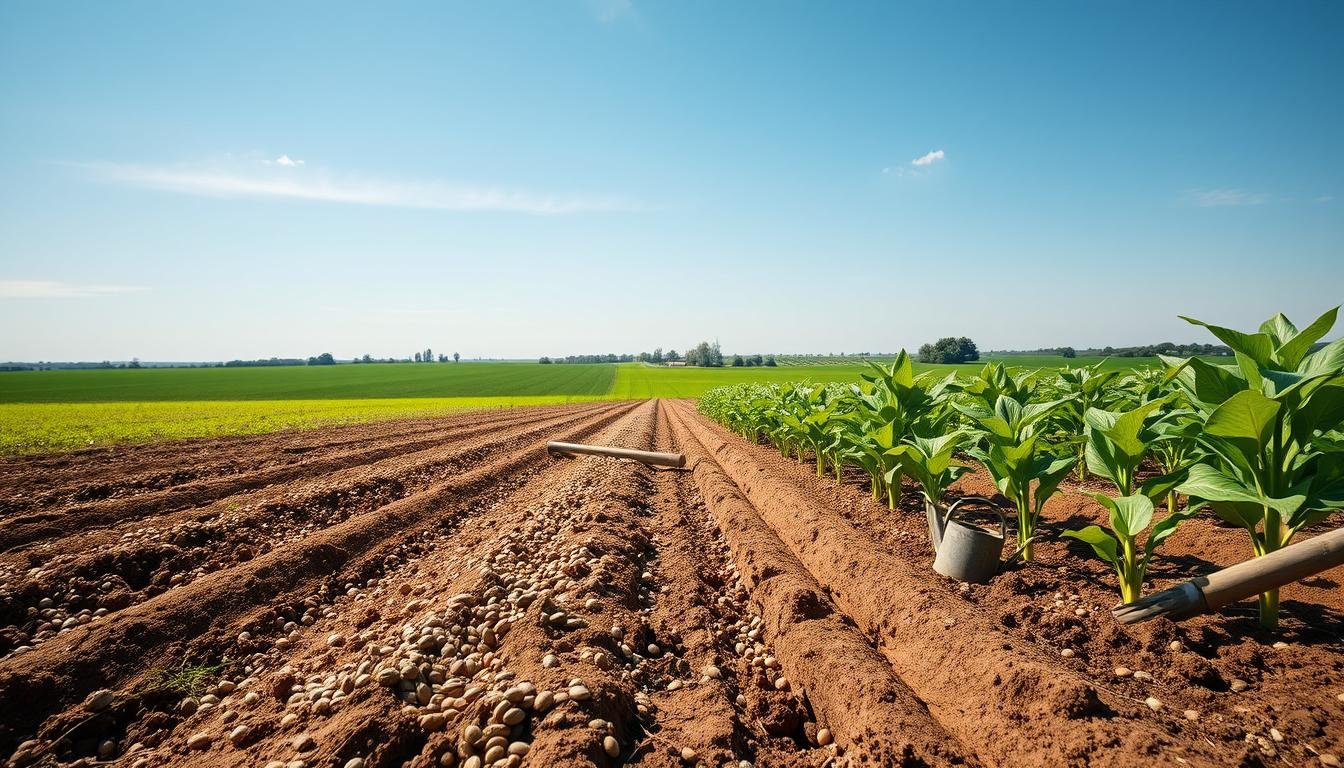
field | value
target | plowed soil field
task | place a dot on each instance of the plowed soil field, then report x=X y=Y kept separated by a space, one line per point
x=440 y=592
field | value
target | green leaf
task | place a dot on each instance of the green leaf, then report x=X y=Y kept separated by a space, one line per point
x=1326 y=360
x=1130 y=515
x=1257 y=346
x=1279 y=328
x=1106 y=547
x=1205 y=482
x=1247 y=415
x=1209 y=383
x=1293 y=349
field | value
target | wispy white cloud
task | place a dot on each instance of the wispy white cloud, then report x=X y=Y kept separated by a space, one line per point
x=1221 y=198
x=1325 y=199
x=55 y=289
x=928 y=159
x=284 y=160
x=234 y=179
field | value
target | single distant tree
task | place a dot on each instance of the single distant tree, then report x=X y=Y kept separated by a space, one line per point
x=544 y=360
x=417 y=357
x=738 y=362
x=456 y=357
x=756 y=360
x=949 y=350
x=770 y=362
x=672 y=356
x=657 y=355
x=135 y=363
x=1068 y=352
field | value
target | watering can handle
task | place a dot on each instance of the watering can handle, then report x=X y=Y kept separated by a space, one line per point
x=1003 y=522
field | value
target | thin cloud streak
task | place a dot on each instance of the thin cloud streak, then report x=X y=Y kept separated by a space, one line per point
x=55 y=289
x=1223 y=198
x=311 y=185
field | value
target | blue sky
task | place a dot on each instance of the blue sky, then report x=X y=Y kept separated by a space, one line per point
x=196 y=181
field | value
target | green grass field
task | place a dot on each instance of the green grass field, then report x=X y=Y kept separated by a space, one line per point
x=62 y=410
x=306 y=382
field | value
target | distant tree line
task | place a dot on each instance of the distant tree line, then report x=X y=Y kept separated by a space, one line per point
x=274 y=361
x=1148 y=350
x=582 y=359
x=753 y=361
x=949 y=349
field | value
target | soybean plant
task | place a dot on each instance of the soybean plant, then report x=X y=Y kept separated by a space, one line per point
x=1117 y=443
x=1272 y=426
x=1023 y=466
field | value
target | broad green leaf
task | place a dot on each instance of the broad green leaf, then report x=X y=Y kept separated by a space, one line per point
x=1248 y=415
x=1209 y=383
x=1130 y=515
x=1106 y=547
x=1257 y=346
x=1279 y=328
x=1205 y=482
x=1293 y=349
x=1326 y=360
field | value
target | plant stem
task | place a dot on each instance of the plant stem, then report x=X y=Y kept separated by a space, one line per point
x=1024 y=532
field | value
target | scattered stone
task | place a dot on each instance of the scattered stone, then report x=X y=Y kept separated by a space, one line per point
x=99 y=700
x=1123 y=671
x=824 y=737
x=611 y=746
x=1153 y=703
x=1191 y=714
x=1067 y=653
x=200 y=740
x=1238 y=685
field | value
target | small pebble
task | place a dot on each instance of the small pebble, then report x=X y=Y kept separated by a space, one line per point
x=303 y=742
x=824 y=736
x=1067 y=653
x=688 y=755
x=355 y=762
x=1153 y=703
x=1328 y=759
x=1123 y=671
x=1175 y=645
x=1275 y=734
x=611 y=746
x=1139 y=674
x=1238 y=685
x=1191 y=714
x=199 y=741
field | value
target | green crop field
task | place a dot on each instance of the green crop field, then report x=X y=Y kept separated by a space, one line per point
x=317 y=382
x=62 y=410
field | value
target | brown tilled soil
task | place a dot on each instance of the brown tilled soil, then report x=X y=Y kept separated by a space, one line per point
x=440 y=592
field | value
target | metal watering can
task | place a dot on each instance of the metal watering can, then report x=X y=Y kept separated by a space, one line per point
x=965 y=551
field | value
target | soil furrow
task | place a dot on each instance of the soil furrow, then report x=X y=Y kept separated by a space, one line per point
x=25 y=528
x=110 y=651
x=856 y=694
x=138 y=560
x=940 y=645
x=255 y=463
